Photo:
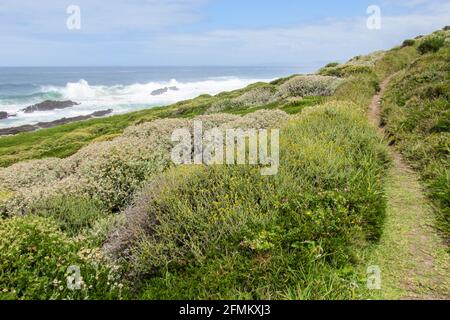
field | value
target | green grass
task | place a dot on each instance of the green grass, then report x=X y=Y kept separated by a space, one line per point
x=73 y=214
x=65 y=140
x=395 y=60
x=413 y=261
x=290 y=107
x=228 y=232
x=416 y=111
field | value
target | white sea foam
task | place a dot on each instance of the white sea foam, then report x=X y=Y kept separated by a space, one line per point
x=120 y=98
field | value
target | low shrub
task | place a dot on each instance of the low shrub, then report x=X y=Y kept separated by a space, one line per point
x=394 y=60
x=344 y=71
x=259 y=96
x=408 y=43
x=73 y=214
x=416 y=112
x=368 y=60
x=431 y=44
x=313 y=85
x=332 y=64
x=228 y=232
x=34 y=260
x=110 y=172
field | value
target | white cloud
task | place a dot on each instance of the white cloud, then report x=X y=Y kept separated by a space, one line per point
x=24 y=17
x=318 y=43
x=148 y=32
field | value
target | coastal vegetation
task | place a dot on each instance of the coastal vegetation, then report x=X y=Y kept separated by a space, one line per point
x=416 y=112
x=103 y=196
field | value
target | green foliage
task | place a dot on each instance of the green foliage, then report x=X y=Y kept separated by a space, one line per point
x=34 y=260
x=431 y=44
x=224 y=232
x=73 y=214
x=416 y=113
x=332 y=64
x=109 y=172
x=409 y=43
x=311 y=85
x=344 y=71
x=394 y=60
x=358 y=89
x=309 y=218
x=65 y=140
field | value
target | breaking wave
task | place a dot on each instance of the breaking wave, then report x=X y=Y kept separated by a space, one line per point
x=120 y=98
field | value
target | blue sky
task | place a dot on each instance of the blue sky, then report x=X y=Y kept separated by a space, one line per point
x=207 y=32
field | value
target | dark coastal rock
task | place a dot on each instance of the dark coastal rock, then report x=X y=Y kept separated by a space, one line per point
x=16 y=130
x=50 y=105
x=51 y=124
x=161 y=91
x=3 y=115
x=101 y=113
x=61 y=121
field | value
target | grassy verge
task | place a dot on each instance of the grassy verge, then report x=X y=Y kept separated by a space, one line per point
x=412 y=260
x=416 y=113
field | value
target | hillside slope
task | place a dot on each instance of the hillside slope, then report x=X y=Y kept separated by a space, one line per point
x=411 y=254
x=137 y=226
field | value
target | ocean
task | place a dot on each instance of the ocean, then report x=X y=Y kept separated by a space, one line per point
x=123 y=89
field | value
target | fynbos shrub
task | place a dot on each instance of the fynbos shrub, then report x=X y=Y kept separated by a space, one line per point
x=313 y=85
x=431 y=44
x=110 y=171
x=408 y=43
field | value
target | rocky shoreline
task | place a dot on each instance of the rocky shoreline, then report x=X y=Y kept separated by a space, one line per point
x=5 y=115
x=51 y=124
x=164 y=90
x=49 y=105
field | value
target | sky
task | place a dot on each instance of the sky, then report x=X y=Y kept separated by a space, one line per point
x=207 y=32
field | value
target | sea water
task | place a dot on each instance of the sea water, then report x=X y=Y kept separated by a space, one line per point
x=123 y=89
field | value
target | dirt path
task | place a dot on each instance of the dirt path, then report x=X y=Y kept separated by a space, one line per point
x=412 y=257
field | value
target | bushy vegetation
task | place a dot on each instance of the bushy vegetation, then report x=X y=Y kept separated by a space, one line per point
x=228 y=232
x=394 y=61
x=343 y=71
x=416 y=114
x=259 y=96
x=105 y=196
x=409 y=43
x=360 y=65
x=34 y=260
x=431 y=44
x=331 y=64
x=313 y=85
x=109 y=172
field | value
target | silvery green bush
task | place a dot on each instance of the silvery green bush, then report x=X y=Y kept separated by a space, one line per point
x=311 y=85
x=111 y=171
